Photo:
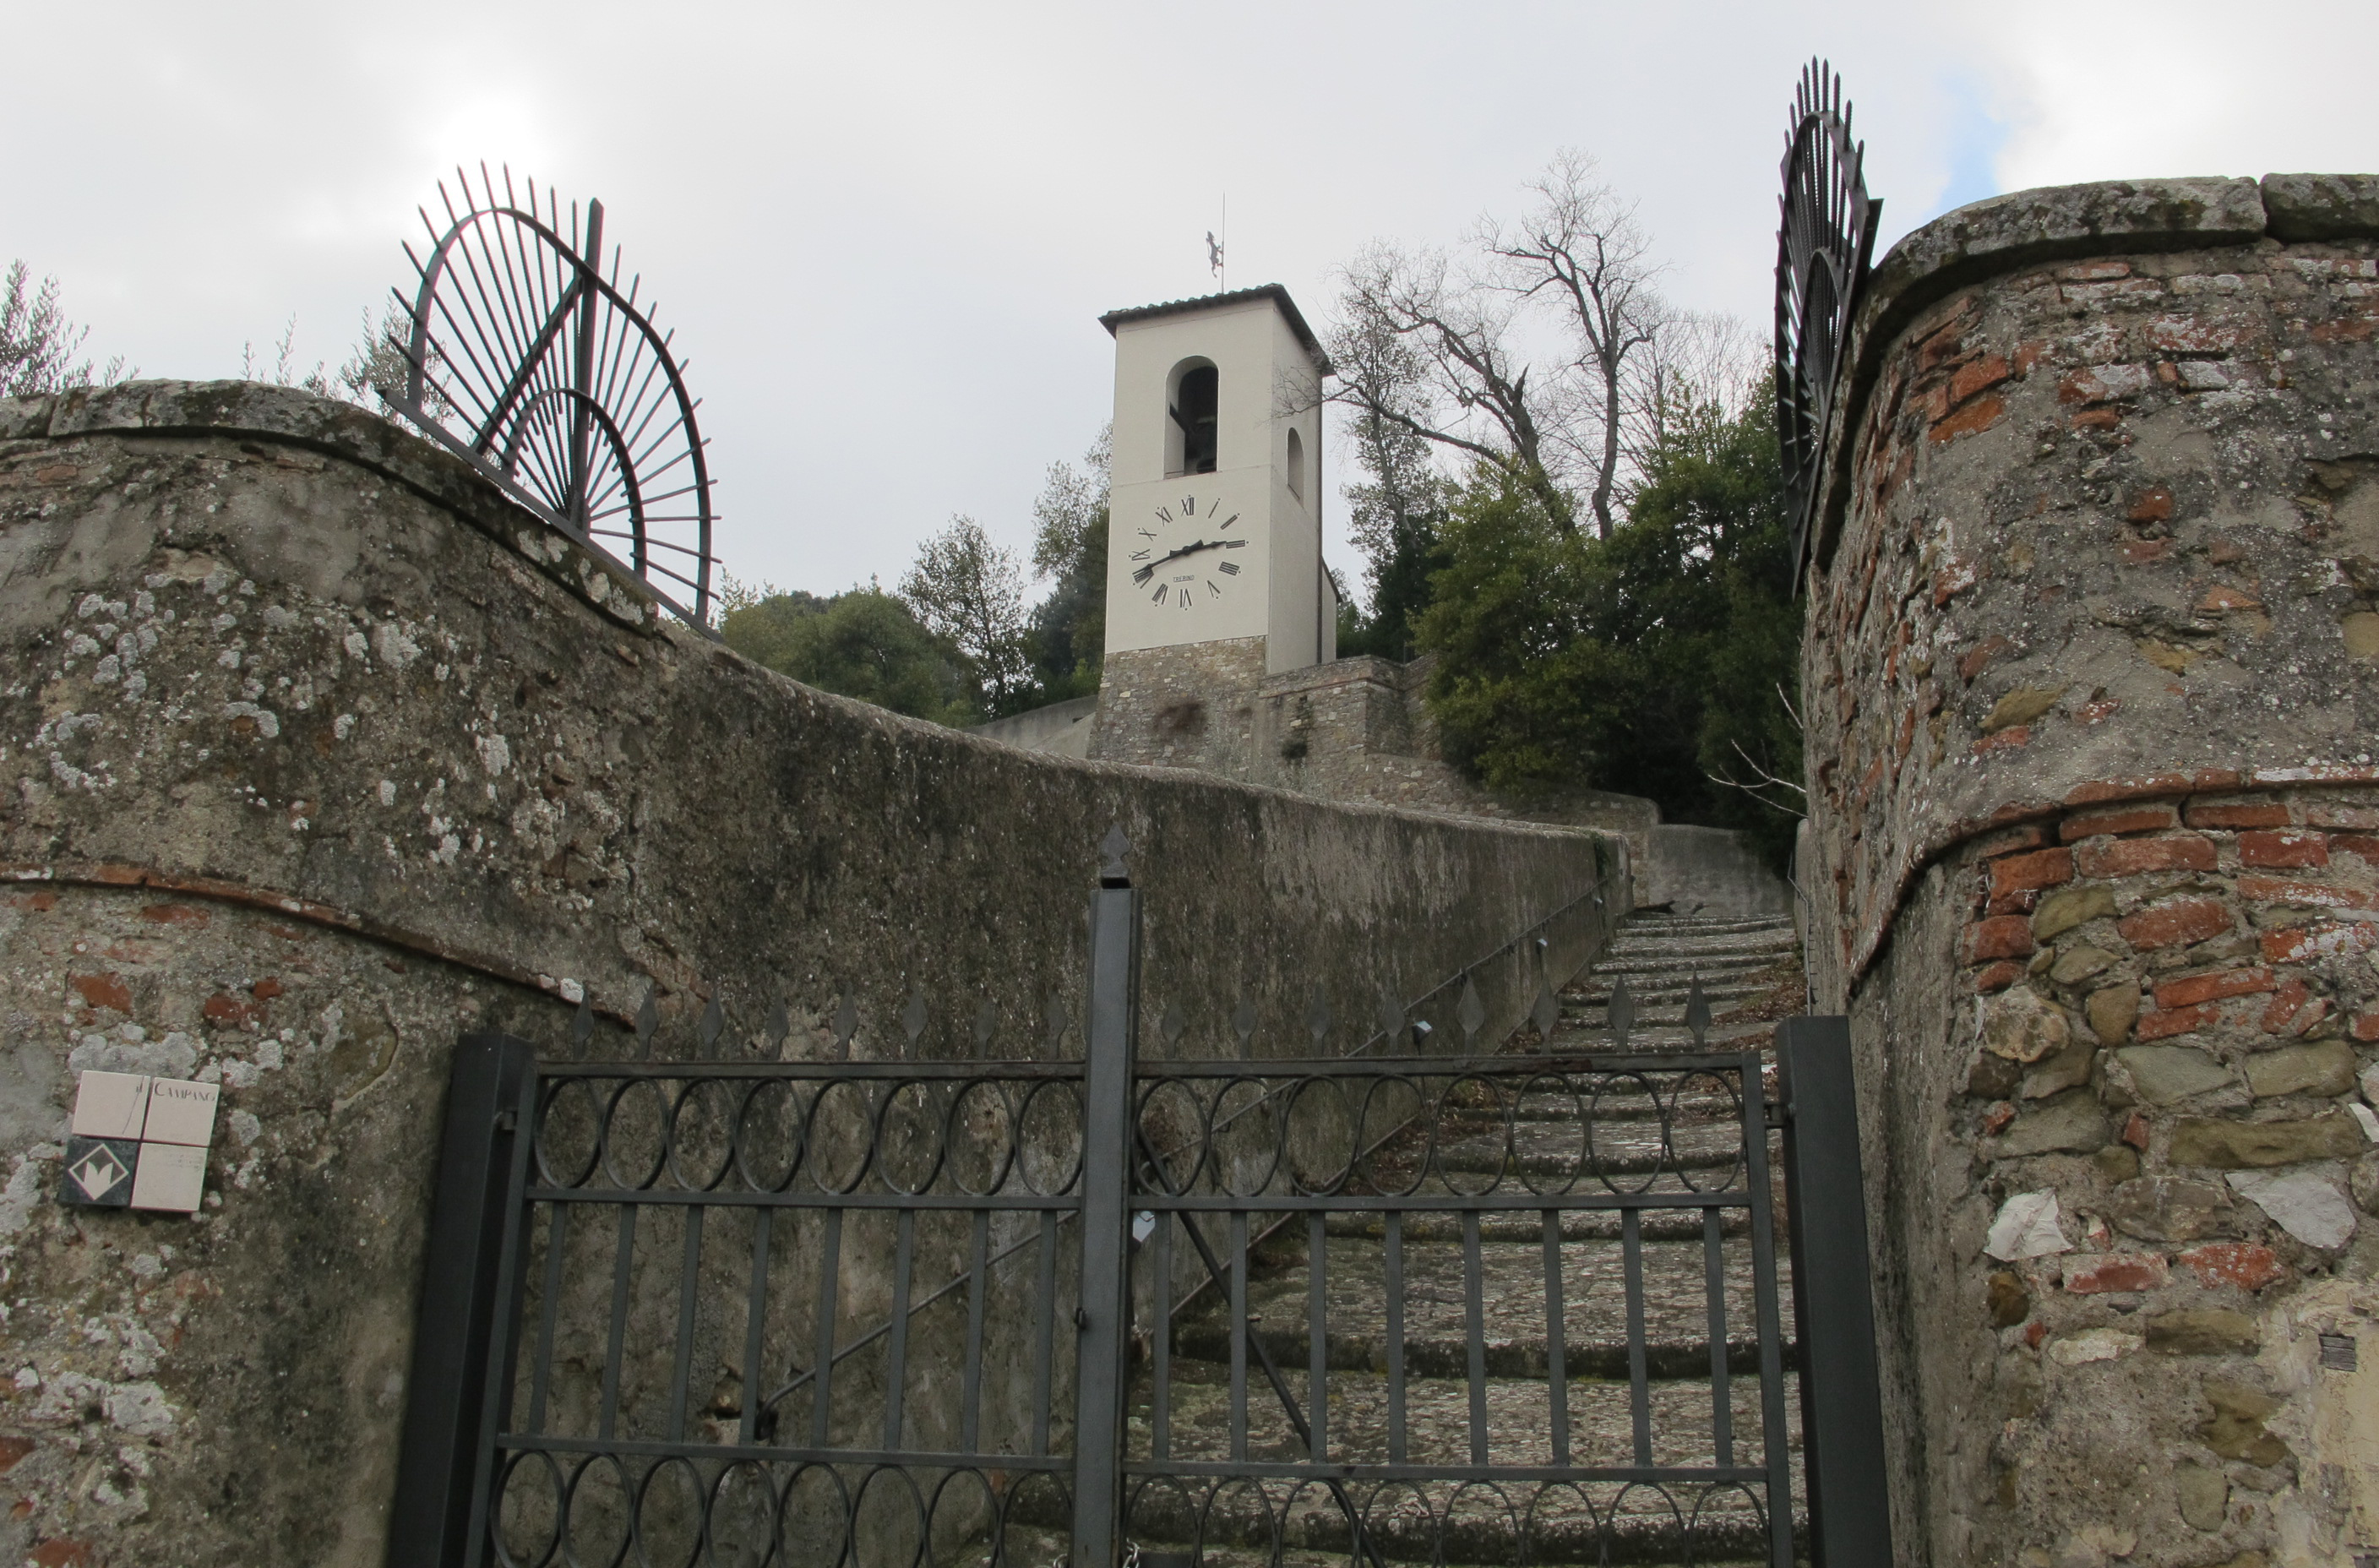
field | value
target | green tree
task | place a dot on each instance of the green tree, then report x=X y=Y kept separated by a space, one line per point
x=864 y=644
x=970 y=592
x=1658 y=662
x=1394 y=515
x=38 y=343
x=1066 y=639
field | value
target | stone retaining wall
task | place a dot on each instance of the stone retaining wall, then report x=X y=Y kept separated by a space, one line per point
x=2091 y=691
x=318 y=752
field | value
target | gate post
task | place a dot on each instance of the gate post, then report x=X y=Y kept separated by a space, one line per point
x=1833 y=1307
x=1111 y=1042
x=446 y=1394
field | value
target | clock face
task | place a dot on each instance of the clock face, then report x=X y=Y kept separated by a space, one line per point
x=1188 y=551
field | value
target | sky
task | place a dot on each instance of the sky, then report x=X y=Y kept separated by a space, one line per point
x=883 y=234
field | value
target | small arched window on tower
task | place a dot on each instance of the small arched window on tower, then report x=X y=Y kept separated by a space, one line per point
x=1189 y=439
x=1295 y=464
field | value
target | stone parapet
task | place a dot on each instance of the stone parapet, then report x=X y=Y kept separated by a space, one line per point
x=318 y=752
x=2091 y=676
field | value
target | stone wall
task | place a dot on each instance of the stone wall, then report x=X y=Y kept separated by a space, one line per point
x=1350 y=730
x=2091 y=677
x=318 y=752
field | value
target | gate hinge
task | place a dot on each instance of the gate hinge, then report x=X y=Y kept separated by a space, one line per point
x=507 y=1119
x=1780 y=1115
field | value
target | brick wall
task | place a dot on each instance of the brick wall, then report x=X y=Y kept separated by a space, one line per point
x=2091 y=677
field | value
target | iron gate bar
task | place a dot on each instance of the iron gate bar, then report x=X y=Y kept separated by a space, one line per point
x=1842 y=1394
x=1110 y=1043
x=437 y=1455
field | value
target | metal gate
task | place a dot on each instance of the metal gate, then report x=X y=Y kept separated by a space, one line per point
x=1397 y=1307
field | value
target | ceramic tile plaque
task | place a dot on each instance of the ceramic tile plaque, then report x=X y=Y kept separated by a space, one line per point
x=138 y=1142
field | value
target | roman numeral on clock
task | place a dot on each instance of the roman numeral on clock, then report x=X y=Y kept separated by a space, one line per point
x=1230 y=566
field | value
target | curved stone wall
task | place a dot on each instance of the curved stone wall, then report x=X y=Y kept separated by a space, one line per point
x=2091 y=677
x=317 y=753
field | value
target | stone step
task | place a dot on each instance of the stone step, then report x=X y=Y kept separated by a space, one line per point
x=1512 y=1291
x=1663 y=1225
x=1703 y=925
x=1627 y=945
x=1201 y=1353
x=1447 y=1521
x=1597 y=992
x=1654 y=960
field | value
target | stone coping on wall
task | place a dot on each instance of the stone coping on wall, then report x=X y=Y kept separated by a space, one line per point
x=2031 y=228
x=301 y=418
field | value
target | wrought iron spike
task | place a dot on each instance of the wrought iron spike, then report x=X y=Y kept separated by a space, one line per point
x=1243 y=1024
x=648 y=1020
x=1470 y=1012
x=1317 y=1018
x=1823 y=246
x=1620 y=1013
x=582 y=1023
x=780 y=1026
x=713 y=1024
x=1113 y=849
x=1546 y=1014
x=1170 y=1028
x=846 y=1024
x=524 y=360
x=1698 y=1011
x=913 y=1019
x=1057 y=1017
x=986 y=1024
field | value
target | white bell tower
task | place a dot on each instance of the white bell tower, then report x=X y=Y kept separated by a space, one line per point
x=1214 y=531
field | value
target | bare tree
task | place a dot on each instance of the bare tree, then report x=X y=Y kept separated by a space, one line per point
x=1421 y=351
x=38 y=343
x=1580 y=252
x=1697 y=357
x=969 y=590
x=1551 y=357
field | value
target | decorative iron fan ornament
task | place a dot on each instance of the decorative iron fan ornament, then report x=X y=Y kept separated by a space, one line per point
x=529 y=362
x=1823 y=246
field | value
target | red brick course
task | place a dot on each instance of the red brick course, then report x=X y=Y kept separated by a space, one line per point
x=2131 y=857
x=2297 y=848
x=2264 y=814
x=2118 y=819
x=2172 y=924
x=2041 y=868
x=2001 y=975
x=2244 y=1263
x=2192 y=989
x=2362 y=846
x=2004 y=936
x=2320 y=895
x=102 y=991
x=2303 y=944
x=2177 y=1020
x=2118 y=1271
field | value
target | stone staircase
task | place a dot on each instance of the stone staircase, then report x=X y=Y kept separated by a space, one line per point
x=1750 y=973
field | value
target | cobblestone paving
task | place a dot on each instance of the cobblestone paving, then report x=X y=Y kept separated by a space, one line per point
x=1681 y=1136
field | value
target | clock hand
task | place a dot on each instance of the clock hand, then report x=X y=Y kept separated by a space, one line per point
x=1145 y=572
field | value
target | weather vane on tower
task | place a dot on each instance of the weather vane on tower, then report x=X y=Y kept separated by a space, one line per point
x=1214 y=250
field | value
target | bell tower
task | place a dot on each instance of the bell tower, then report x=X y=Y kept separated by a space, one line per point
x=1214 y=531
